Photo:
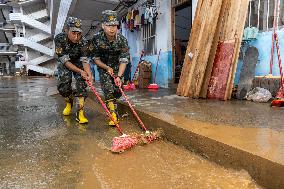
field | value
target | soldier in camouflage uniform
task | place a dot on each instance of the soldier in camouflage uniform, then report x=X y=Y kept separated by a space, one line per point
x=109 y=50
x=72 y=60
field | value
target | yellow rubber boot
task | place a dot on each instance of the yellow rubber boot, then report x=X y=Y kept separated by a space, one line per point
x=112 y=109
x=68 y=108
x=80 y=117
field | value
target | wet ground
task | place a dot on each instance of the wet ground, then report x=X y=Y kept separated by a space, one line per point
x=253 y=127
x=41 y=149
x=238 y=113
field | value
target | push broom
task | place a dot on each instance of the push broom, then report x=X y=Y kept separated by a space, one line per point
x=123 y=142
x=279 y=101
x=154 y=85
x=148 y=137
x=131 y=85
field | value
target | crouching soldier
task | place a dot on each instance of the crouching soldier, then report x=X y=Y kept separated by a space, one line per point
x=72 y=60
x=109 y=50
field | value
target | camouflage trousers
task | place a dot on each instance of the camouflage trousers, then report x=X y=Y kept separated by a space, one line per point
x=110 y=90
x=64 y=85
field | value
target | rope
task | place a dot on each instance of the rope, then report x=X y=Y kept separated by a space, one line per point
x=276 y=40
x=279 y=60
x=273 y=36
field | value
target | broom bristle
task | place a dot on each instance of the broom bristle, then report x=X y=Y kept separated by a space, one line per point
x=277 y=103
x=123 y=142
x=149 y=137
x=153 y=86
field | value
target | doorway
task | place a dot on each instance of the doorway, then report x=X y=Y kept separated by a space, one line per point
x=182 y=24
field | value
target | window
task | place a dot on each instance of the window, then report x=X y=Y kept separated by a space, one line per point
x=261 y=14
x=149 y=37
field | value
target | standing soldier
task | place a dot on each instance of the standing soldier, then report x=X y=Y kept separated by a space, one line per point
x=109 y=50
x=72 y=60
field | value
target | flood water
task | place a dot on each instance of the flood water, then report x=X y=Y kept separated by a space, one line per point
x=39 y=148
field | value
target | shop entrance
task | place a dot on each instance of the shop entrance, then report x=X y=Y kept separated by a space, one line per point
x=182 y=24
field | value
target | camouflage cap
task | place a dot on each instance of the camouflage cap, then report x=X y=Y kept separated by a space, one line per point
x=74 y=24
x=109 y=17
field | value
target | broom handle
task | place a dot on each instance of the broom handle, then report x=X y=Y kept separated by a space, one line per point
x=104 y=106
x=136 y=70
x=157 y=66
x=131 y=107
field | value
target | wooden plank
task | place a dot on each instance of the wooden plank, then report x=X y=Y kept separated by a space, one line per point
x=199 y=46
x=182 y=89
x=217 y=38
x=205 y=47
x=240 y=24
x=230 y=26
x=221 y=70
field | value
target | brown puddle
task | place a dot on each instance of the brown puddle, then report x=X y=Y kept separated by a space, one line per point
x=157 y=165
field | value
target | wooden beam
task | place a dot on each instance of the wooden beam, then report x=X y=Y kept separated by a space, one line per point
x=198 y=49
x=217 y=86
x=230 y=27
x=240 y=24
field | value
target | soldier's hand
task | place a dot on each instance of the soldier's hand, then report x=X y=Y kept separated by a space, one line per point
x=110 y=70
x=84 y=74
x=118 y=81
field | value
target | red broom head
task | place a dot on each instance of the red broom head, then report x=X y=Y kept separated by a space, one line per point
x=153 y=86
x=149 y=137
x=123 y=142
x=277 y=103
x=132 y=86
x=127 y=87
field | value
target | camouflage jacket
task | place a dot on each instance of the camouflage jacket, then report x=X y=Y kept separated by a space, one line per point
x=110 y=53
x=68 y=51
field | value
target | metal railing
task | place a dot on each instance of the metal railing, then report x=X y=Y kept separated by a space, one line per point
x=6 y=47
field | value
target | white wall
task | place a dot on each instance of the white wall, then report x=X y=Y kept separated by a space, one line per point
x=163 y=42
x=164 y=33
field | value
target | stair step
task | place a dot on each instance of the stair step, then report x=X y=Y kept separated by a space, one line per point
x=32 y=45
x=40 y=69
x=39 y=37
x=40 y=60
x=18 y=18
x=38 y=15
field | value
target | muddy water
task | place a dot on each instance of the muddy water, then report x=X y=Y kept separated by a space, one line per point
x=41 y=149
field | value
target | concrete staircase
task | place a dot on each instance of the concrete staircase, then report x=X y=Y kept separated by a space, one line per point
x=19 y=18
x=37 y=38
